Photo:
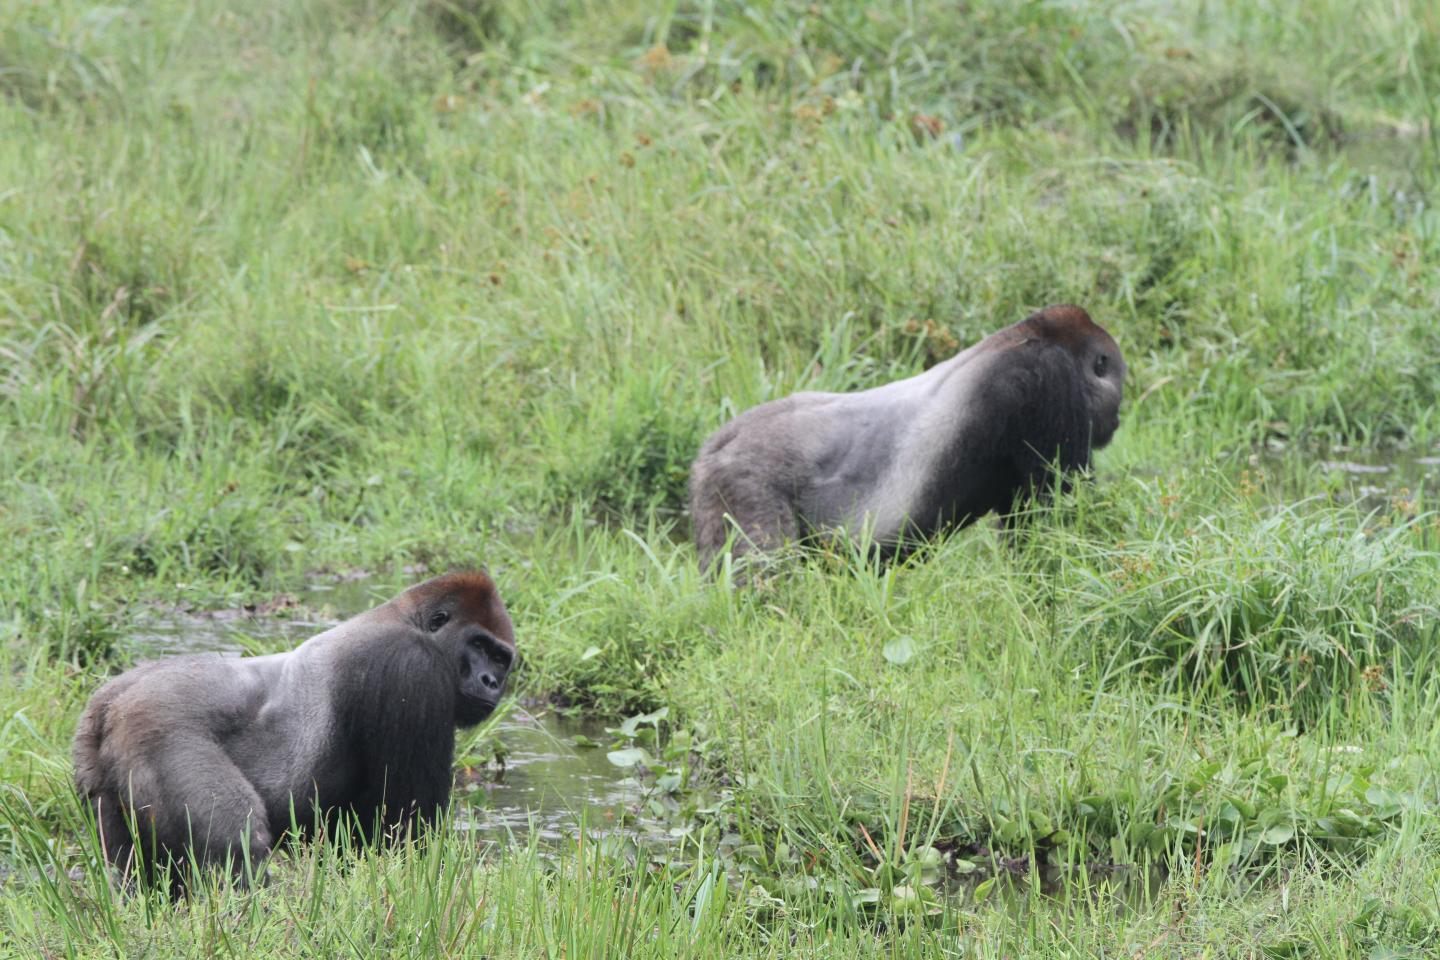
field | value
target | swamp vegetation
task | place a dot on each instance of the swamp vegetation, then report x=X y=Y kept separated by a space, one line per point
x=300 y=299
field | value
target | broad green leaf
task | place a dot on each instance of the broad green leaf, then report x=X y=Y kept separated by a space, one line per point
x=901 y=650
x=1276 y=835
x=627 y=758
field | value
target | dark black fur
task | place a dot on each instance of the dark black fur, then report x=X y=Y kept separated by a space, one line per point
x=399 y=725
x=1041 y=421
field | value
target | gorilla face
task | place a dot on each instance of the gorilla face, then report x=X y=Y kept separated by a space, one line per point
x=485 y=662
x=1103 y=370
x=477 y=633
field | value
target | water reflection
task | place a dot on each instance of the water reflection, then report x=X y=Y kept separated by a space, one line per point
x=282 y=623
x=553 y=779
x=1371 y=478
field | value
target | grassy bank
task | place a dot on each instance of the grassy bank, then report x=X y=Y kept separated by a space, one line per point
x=294 y=288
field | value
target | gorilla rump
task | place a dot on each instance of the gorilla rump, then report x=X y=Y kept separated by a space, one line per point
x=978 y=432
x=208 y=755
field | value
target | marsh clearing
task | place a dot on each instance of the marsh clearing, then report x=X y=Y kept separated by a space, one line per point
x=368 y=290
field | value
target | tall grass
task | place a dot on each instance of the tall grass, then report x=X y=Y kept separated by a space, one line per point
x=338 y=286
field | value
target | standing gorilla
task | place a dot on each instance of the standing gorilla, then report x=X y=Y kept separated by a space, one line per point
x=976 y=433
x=208 y=755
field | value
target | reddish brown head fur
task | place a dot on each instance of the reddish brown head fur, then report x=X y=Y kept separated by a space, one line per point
x=474 y=594
x=1065 y=324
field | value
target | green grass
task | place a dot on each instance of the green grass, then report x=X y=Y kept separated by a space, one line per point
x=336 y=284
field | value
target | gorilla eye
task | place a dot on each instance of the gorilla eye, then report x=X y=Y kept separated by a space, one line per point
x=1102 y=362
x=437 y=620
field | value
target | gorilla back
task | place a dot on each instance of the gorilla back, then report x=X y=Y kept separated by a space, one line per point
x=208 y=755
x=978 y=432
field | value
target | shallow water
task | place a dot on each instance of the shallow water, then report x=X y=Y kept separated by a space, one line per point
x=551 y=781
x=280 y=624
x=548 y=783
x=1371 y=478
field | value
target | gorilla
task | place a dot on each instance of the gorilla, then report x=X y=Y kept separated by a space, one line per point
x=215 y=758
x=979 y=432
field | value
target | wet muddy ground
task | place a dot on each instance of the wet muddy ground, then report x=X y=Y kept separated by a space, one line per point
x=543 y=774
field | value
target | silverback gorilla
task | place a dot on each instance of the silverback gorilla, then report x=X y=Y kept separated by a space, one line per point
x=978 y=432
x=208 y=756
